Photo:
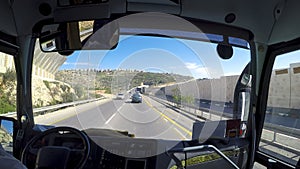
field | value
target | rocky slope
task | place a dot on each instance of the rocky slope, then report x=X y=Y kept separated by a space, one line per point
x=49 y=92
x=5 y=137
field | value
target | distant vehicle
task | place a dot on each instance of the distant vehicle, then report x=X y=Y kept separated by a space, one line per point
x=120 y=96
x=141 y=90
x=136 y=98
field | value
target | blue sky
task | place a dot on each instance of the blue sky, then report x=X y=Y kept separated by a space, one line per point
x=166 y=55
x=284 y=61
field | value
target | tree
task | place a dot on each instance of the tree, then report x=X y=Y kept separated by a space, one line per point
x=188 y=100
x=79 y=90
x=176 y=96
x=9 y=76
x=67 y=97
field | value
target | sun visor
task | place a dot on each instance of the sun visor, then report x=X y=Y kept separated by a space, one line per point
x=72 y=13
x=165 y=6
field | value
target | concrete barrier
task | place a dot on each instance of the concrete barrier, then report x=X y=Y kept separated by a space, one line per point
x=43 y=110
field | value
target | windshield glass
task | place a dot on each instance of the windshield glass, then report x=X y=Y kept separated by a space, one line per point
x=180 y=81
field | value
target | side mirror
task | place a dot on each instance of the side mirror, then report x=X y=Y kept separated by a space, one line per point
x=7 y=133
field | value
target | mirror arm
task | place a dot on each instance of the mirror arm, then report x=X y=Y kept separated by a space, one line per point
x=196 y=149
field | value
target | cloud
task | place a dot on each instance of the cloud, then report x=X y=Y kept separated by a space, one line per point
x=201 y=70
x=197 y=70
x=68 y=63
x=231 y=73
x=191 y=65
x=76 y=63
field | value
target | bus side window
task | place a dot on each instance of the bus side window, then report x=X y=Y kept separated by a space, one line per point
x=281 y=133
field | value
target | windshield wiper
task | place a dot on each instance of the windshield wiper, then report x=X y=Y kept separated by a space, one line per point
x=196 y=149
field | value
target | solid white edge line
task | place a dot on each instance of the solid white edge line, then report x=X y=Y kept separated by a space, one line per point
x=180 y=133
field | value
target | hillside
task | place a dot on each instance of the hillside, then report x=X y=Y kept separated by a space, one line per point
x=71 y=85
x=44 y=92
x=113 y=81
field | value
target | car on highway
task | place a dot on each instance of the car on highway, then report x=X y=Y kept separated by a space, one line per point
x=136 y=98
x=120 y=96
x=220 y=83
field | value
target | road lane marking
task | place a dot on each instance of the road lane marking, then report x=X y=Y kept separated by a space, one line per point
x=120 y=108
x=111 y=117
x=76 y=113
x=168 y=118
x=183 y=136
x=62 y=119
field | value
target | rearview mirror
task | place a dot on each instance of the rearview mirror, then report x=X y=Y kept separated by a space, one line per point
x=86 y=35
x=7 y=133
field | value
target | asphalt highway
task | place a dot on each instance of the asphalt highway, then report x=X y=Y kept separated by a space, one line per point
x=148 y=119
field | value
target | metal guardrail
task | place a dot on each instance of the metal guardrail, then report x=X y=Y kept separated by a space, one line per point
x=43 y=110
x=283 y=129
x=218 y=113
x=270 y=126
x=214 y=104
x=282 y=137
x=165 y=102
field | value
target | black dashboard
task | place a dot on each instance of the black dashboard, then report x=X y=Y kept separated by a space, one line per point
x=109 y=149
x=117 y=151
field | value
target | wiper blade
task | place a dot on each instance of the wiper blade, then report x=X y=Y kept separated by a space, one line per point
x=196 y=149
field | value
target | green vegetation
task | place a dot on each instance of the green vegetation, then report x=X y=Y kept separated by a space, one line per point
x=60 y=93
x=176 y=96
x=67 y=97
x=114 y=81
x=9 y=76
x=84 y=84
x=178 y=99
x=47 y=84
x=53 y=92
x=79 y=90
x=7 y=96
x=150 y=79
x=188 y=100
x=5 y=105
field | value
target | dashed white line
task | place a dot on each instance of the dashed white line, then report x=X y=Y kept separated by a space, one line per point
x=111 y=117
x=120 y=108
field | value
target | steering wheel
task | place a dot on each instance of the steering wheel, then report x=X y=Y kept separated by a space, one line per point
x=31 y=150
